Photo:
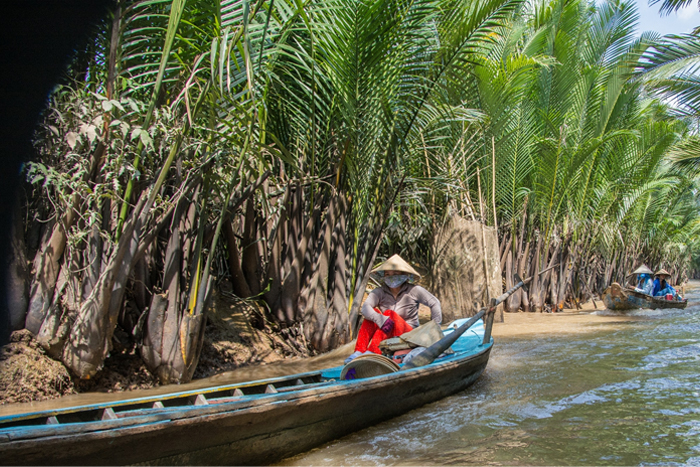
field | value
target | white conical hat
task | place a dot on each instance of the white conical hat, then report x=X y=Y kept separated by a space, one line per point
x=396 y=263
x=662 y=272
x=643 y=269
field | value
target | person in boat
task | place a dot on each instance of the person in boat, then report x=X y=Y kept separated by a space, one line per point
x=645 y=283
x=662 y=287
x=392 y=309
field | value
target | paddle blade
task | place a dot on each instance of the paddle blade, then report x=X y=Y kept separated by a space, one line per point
x=429 y=355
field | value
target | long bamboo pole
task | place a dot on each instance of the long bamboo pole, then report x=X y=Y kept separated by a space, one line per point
x=493 y=183
x=485 y=263
x=483 y=234
x=481 y=199
x=429 y=355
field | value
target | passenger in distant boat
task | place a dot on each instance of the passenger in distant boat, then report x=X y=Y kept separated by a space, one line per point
x=663 y=288
x=645 y=283
x=392 y=309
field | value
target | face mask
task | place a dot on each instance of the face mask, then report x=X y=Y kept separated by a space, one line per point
x=395 y=281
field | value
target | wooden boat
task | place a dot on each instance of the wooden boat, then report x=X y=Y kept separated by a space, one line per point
x=257 y=422
x=618 y=298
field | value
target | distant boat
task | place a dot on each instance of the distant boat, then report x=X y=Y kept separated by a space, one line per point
x=618 y=298
x=258 y=422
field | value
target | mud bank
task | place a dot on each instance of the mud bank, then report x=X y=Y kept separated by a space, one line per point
x=28 y=375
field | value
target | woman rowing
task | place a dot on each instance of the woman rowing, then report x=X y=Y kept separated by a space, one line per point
x=392 y=309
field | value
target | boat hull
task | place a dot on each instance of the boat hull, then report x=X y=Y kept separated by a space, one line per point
x=299 y=428
x=619 y=299
x=260 y=431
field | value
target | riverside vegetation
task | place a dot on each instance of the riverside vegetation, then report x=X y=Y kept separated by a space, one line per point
x=283 y=147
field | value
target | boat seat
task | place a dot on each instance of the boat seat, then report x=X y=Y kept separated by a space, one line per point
x=423 y=336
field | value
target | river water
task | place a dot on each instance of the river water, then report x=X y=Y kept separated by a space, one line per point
x=627 y=394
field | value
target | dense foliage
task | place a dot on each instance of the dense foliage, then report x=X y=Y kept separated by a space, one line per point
x=285 y=145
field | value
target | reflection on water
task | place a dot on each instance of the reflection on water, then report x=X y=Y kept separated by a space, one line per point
x=626 y=396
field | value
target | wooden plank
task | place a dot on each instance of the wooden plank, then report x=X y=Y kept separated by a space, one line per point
x=224 y=400
x=306 y=386
x=145 y=401
x=39 y=432
x=143 y=412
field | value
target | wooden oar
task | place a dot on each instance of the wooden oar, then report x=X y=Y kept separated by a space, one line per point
x=429 y=355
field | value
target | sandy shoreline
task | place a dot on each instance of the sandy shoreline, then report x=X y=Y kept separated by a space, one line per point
x=588 y=319
x=581 y=321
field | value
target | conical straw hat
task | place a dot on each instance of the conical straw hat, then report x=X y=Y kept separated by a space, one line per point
x=424 y=335
x=643 y=269
x=662 y=272
x=396 y=263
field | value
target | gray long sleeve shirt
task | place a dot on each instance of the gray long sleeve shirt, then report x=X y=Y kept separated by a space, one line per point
x=405 y=304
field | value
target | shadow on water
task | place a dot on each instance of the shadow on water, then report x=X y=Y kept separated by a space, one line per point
x=627 y=393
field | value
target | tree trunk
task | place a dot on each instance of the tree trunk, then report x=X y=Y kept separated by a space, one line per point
x=91 y=334
x=339 y=298
x=316 y=315
x=536 y=284
x=46 y=265
x=276 y=255
x=174 y=331
x=510 y=305
x=554 y=285
x=250 y=257
x=549 y=276
x=238 y=281
x=505 y=248
x=524 y=266
x=286 y=308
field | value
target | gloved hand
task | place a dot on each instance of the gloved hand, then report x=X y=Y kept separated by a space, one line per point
x=352 y=357
x=388 y=326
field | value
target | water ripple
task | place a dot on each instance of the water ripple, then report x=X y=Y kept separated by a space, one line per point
x=628 y=396
x=673 y=356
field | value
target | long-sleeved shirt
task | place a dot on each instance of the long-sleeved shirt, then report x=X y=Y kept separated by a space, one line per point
x=659 y=285
x=646 y=286
x=405 y=304
x=662 y=288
